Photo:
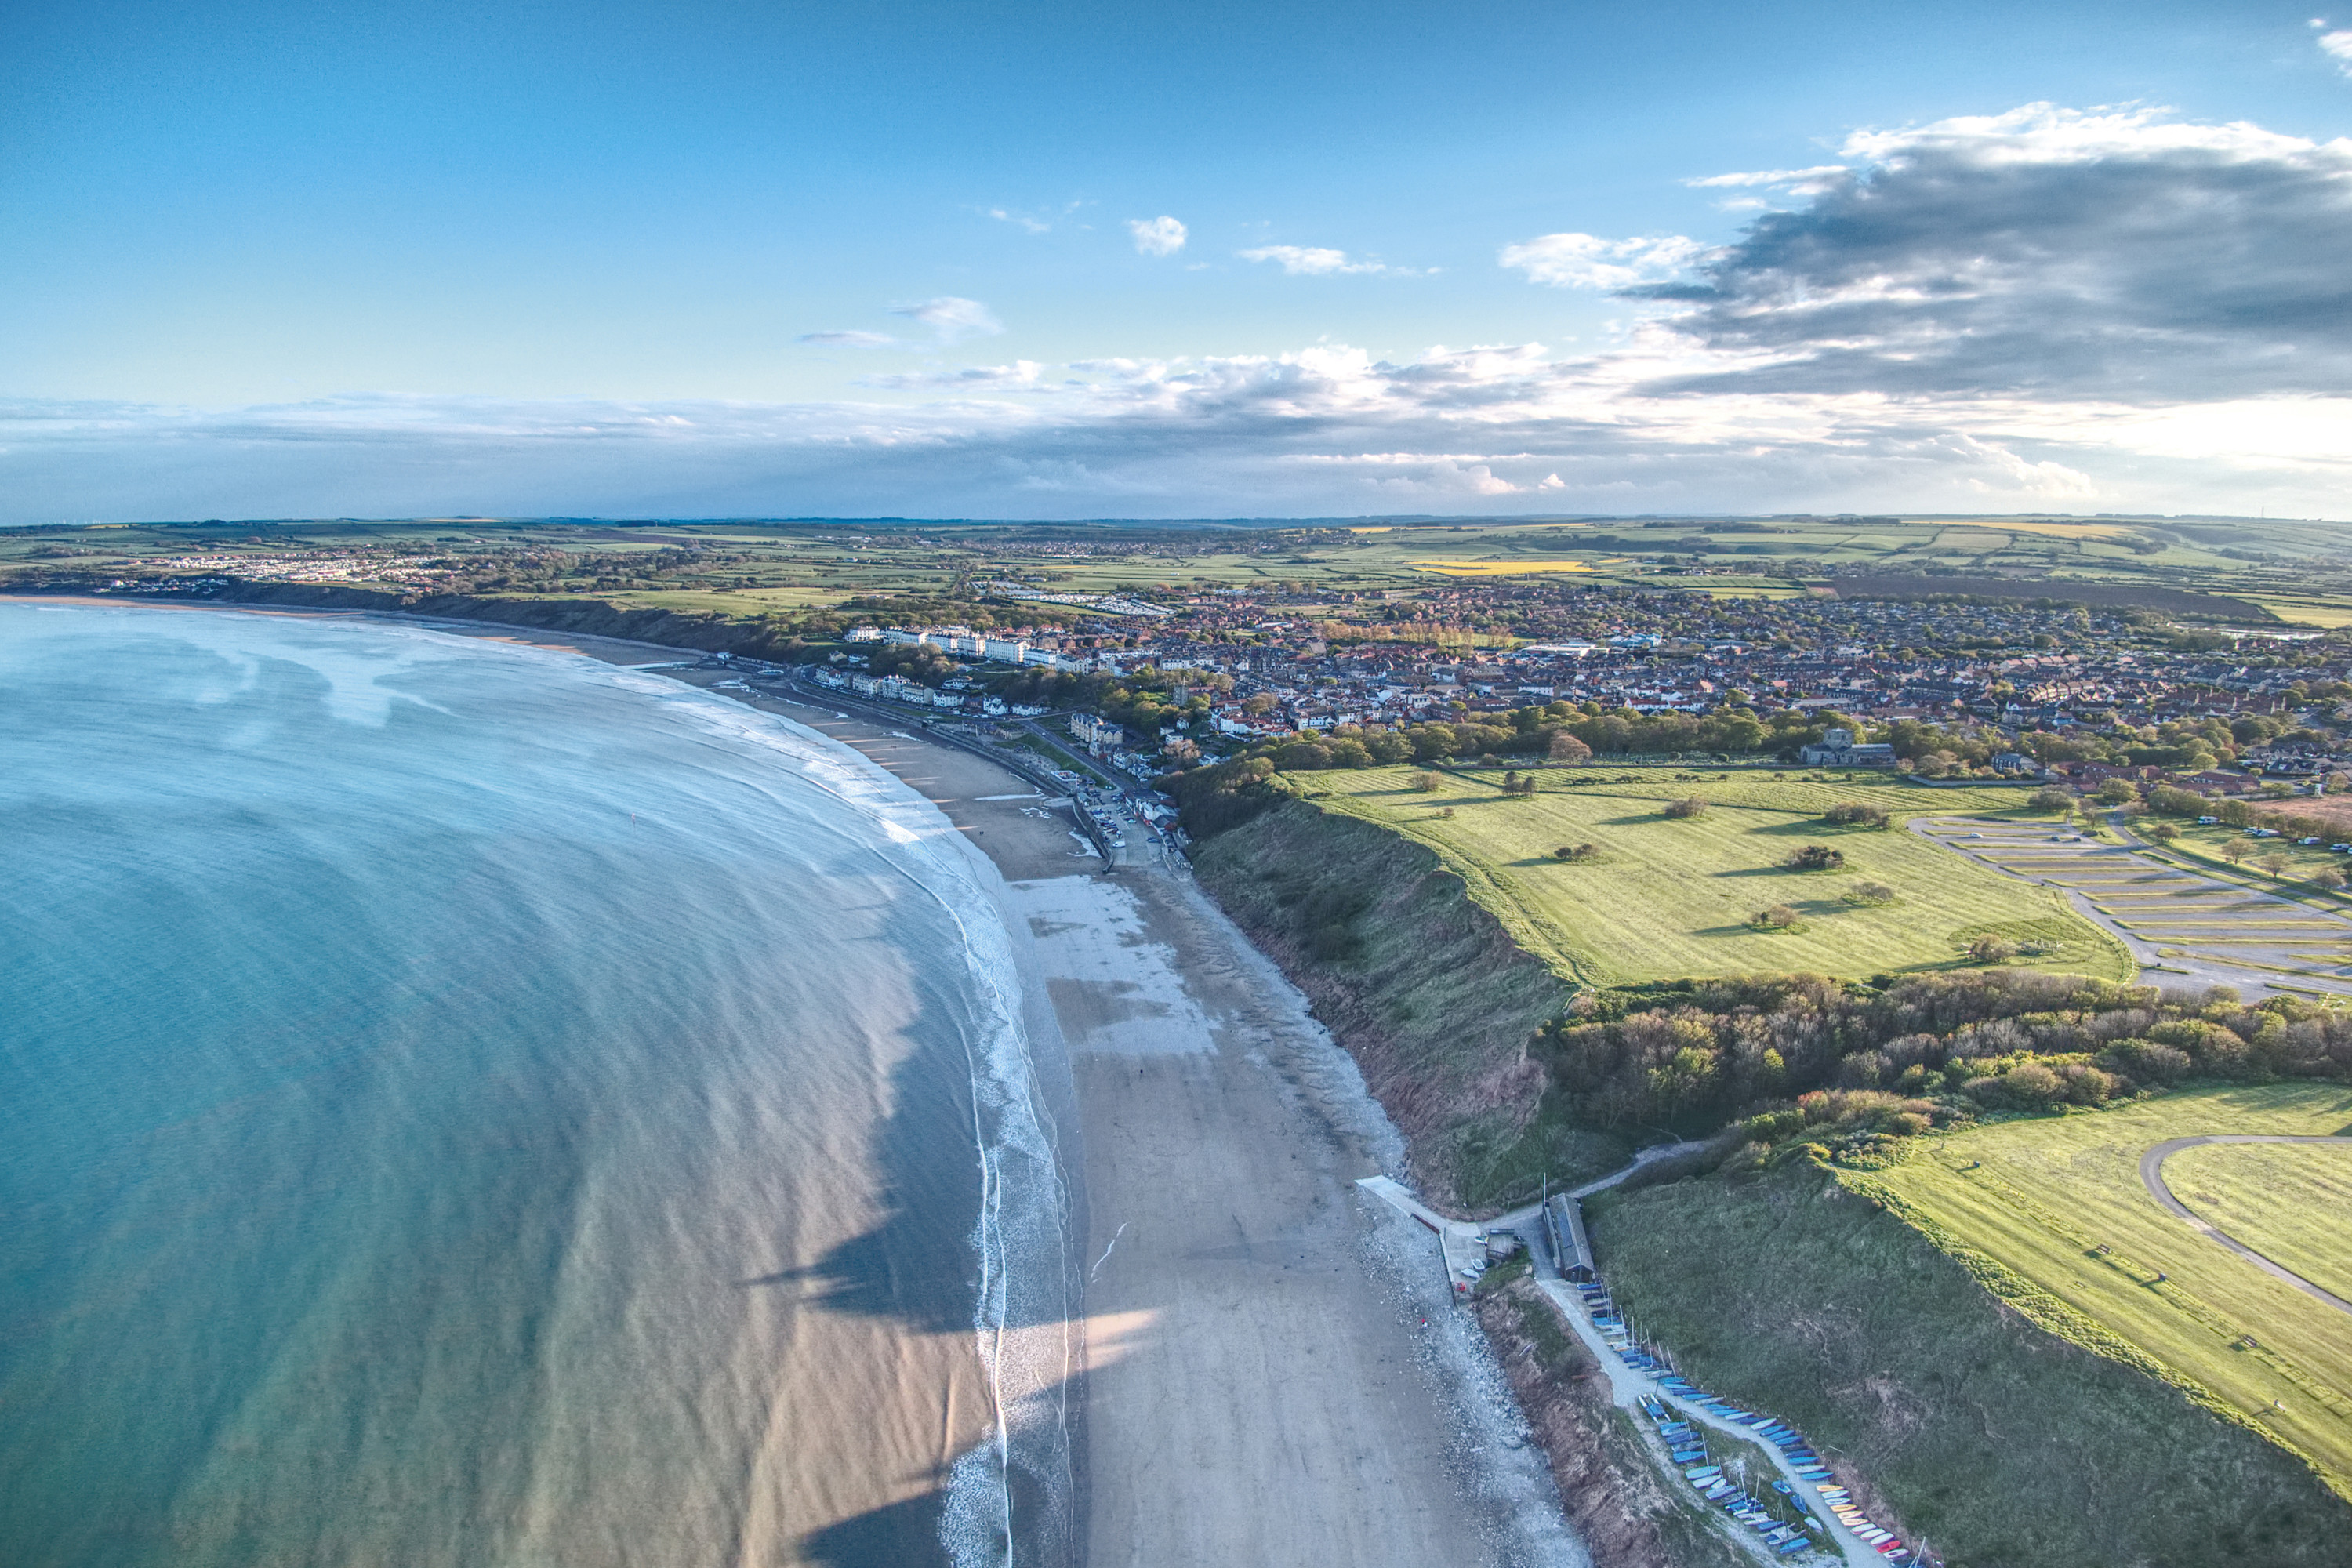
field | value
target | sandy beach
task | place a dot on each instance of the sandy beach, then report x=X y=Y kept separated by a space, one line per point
x=1272 y=1373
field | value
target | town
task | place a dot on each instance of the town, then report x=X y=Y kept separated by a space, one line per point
x=1939 y=688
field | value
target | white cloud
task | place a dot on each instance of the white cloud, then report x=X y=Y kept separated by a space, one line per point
x=849 y=340
x=953 y=318
x=1588 y=261
x=1799 y=182
x=2105 y=310
x=2063 y=254
x=1160 y=236
x=1318 y=262
x=2336 y=43
x=1020 y=220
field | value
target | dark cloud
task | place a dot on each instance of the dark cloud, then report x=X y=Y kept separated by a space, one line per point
x=2043 y=253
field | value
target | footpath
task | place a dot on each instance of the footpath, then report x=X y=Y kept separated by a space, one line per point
x=1828 y=1523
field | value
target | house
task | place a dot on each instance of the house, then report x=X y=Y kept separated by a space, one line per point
x=1836 y=749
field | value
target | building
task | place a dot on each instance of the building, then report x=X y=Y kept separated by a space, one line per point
x=1837 y=749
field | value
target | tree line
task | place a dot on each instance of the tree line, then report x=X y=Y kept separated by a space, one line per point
x=1700 y=1053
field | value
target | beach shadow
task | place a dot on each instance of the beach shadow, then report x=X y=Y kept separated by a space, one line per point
x=917 y=1266
x=902 y=1532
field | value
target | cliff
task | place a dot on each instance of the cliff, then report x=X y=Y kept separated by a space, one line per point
x=1422 y=985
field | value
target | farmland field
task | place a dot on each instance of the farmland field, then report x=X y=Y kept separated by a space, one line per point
x=753 y=568
x=1668 y=899
x=2058 y=1203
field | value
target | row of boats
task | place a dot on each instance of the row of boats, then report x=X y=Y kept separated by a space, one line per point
x=1686 y=1442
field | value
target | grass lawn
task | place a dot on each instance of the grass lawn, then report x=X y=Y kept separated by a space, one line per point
x=1670 y=898
x=2002 y=1445
x=2290 y=1202
x=2057 y=1204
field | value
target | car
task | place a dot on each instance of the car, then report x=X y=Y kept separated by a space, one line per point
x=2312 y=839
x=2206 y=821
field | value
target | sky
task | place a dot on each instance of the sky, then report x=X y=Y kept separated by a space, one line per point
x=1219 y=260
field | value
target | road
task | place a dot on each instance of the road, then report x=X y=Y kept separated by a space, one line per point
x=2151 y=1174
x=1459 y=1241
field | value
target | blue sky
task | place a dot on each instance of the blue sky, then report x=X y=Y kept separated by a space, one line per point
x=1260 y=259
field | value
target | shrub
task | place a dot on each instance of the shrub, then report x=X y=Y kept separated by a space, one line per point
x=1425 y=781
x=1780 y=917
x=1566 y=748
x=2029 y=1084
x=1870 y=893
x=2161 y=832
x=1853 y=814
x=1991 y=949
x=2050 y=797
x=1688 y=806
x=1816 y=857
x=2214 y=1048
x=2148 y=1061
x=1577 y=852
x=2327 y=877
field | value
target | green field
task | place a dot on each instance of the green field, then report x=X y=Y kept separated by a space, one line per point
x=2057 y=1204
x=1672 y=898
x=750 y=568
x=2290 y=1202
x=2002 y=1445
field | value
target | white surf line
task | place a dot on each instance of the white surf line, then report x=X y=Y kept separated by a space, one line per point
x=1106 y=1257
x=1032 y=794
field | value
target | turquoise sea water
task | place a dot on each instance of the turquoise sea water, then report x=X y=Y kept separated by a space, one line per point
x=464 y=1104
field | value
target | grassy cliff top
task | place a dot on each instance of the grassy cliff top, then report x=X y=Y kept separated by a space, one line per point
x=1667 y=898
x=2058 y=1204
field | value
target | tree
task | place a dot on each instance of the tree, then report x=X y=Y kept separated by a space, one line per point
x=1577 y=853
x=1681 y=810
x=1870 y=893
x=2327 y=879
x=2234 y=851
x=2274 y=863
x=1990 y=949
x=1816 y=857
x=1853 y=814
x=1566 y=748
x=2161 y=832
x=1425 y=781
x=2117 y=792
x=2050 y=797
x=1780 y=917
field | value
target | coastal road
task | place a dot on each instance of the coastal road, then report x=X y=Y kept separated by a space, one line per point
x=2151 y=1174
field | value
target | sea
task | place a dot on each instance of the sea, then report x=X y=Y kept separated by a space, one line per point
x=467 y=1103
